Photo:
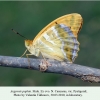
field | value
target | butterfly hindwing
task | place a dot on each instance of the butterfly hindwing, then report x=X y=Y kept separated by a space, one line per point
x=59 y=43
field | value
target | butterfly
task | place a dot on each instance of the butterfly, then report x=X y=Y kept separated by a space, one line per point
x=58 y=40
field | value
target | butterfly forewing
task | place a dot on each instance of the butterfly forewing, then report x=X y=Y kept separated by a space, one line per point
x=73 y=21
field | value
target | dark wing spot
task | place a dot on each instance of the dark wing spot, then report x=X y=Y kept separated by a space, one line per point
x=56 y=22
x=69 y=27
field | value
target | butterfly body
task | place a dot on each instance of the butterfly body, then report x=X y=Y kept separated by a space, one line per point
x=58 y=40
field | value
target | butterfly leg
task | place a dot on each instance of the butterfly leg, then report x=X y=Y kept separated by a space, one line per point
x=43 y=65
x=24 y=53
x=27 y=57
x=29 y=60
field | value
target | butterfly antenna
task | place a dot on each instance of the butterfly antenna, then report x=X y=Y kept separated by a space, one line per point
x=18 y=33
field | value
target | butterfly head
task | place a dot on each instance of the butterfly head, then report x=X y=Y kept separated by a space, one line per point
x=28 y=43
x=31 y=48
